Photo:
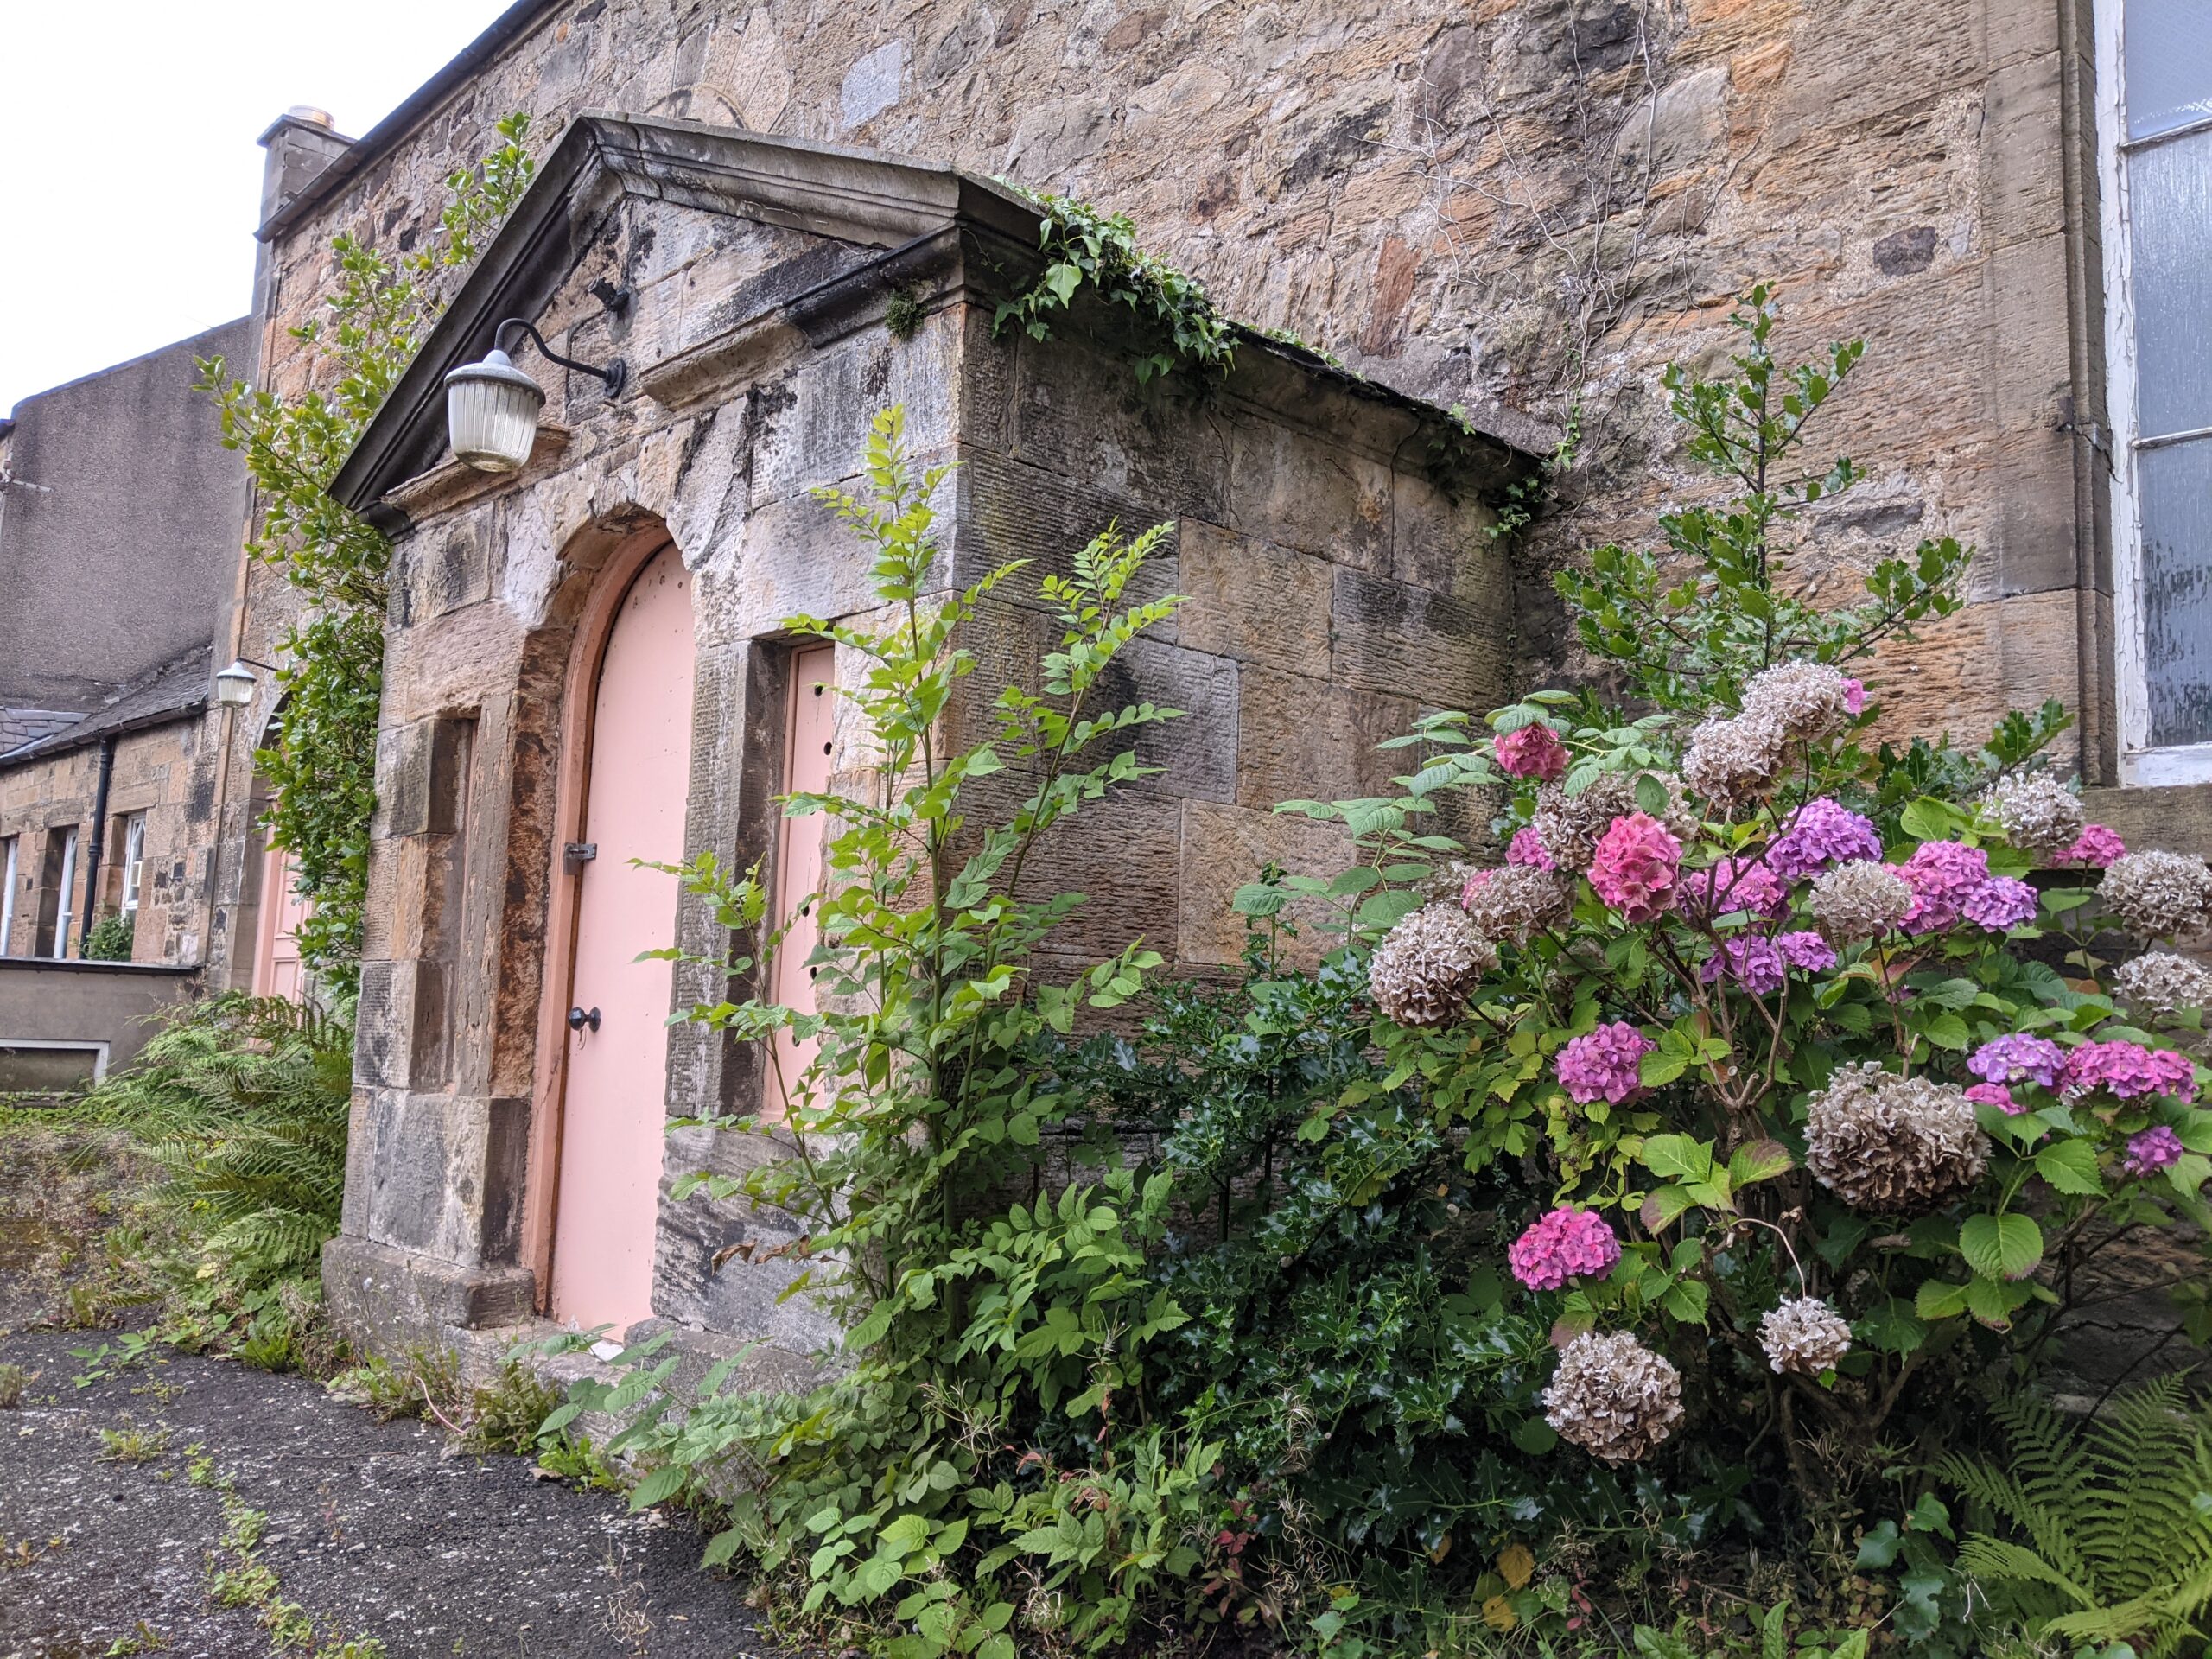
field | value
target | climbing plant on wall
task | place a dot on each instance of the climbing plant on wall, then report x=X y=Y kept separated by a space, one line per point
x=321 y=761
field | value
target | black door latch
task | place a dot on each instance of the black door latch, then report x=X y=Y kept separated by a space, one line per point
x=578 y=1019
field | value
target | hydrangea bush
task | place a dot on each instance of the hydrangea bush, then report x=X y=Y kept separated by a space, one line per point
x=1816 y=1040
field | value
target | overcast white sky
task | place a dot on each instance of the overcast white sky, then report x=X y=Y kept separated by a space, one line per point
x=129 y=174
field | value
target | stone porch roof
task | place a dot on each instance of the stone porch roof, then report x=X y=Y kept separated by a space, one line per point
x=858 y=196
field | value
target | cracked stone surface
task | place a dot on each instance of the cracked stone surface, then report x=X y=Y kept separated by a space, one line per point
x=371 y=1528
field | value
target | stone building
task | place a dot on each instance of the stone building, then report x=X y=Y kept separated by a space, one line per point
x=577 y=650
x=119 y=517
x=1521 y=207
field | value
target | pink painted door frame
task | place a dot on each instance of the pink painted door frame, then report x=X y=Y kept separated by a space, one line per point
x=598 y=1150
x=276 y=951
x=810 y=737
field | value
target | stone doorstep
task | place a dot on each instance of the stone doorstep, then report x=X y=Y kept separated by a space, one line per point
x=387 y=1301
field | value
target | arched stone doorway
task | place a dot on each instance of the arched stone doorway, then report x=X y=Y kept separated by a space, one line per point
x=631 y=793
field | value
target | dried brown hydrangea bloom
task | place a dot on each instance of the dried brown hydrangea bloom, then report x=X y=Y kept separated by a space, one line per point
x=1806 y=1336
x=2039 y=813
x=1613 y=1397
x=1730 y=761
x=1519 y=901
x=1569 y=825
x=1426 y=964
x=2158 y=893
x=2163 y=983
x=1858 y=900
x=1802 y=701
x=1895 y=1146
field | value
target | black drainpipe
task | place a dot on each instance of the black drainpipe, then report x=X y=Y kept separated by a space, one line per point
x=99 y=840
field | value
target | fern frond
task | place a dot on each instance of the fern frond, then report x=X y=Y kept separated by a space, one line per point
x=1985 y=1557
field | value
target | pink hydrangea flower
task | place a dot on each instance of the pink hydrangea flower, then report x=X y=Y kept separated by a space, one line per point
x=1473 y=885
x=2020 y=1057
x=2151 y=1151
x=1854 y=696
x=1820 y=833
x=1808 y=952
x=1634 y=867
x=1731 y=885
x=2001 y=904
x=2095 y=846
x=1532 y=751
x=1997 y=1095
x=1605 y=1064
x=2126 y=1070
x=1942 y=875
x=1526 y=846
x=1562 y=1245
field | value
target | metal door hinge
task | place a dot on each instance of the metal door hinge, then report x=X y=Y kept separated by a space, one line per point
x=577 y=853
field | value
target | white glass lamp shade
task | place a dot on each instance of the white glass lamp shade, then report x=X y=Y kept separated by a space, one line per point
x=234 y=685
x=492 y=414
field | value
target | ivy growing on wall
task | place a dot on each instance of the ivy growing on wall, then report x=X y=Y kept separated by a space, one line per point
x=321 y=761
x=1084 y=247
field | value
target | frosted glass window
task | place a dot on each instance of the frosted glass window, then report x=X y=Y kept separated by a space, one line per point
x=2169 y=201
x=2176 y=484
x=2169 y=47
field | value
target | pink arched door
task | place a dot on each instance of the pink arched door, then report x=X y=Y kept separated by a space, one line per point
x=276 y=963
x=613 y=1107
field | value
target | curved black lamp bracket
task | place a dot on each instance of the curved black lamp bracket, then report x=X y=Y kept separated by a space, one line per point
x=614 y=374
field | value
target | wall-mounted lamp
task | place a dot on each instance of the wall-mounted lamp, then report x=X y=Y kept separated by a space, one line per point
x=234 y=685
x=491 y=407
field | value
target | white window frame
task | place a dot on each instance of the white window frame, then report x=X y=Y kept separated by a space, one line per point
x=2139 y=763
x=8 y=896
x=64 y=915
x=134 y=861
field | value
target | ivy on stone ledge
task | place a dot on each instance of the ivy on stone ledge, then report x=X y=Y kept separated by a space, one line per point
x=1083 y=246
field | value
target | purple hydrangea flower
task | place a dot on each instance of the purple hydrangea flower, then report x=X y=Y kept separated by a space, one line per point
x=1605 y=1066
x=2019 y=1059
x=1942 y=875
x=1562 y=1245
x=1807 y=951
x=1732 y=884
x=1753 y=960
x=2001 y=904
x=1819 y=834
x=2152 y=1150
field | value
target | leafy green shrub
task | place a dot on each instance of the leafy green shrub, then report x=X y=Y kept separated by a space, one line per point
x=112 y=936
x=2110 y=1528
x=1569 y=1237
x=989 y=1457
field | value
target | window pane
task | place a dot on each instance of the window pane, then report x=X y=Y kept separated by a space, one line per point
x=2170 y=202
x=2168 y=64
x=2176 y=489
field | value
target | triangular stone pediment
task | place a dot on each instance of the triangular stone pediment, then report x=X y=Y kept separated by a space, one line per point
x=858 y=205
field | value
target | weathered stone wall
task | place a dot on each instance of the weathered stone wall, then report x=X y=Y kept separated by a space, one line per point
x=1514 y=206
x=166 y=772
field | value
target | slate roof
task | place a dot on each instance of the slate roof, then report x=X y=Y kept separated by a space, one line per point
x=179 y=687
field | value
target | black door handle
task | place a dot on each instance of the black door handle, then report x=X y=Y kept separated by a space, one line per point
x=578 y=1019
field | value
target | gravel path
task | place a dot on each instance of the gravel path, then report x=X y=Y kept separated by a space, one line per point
x=371 y=1530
